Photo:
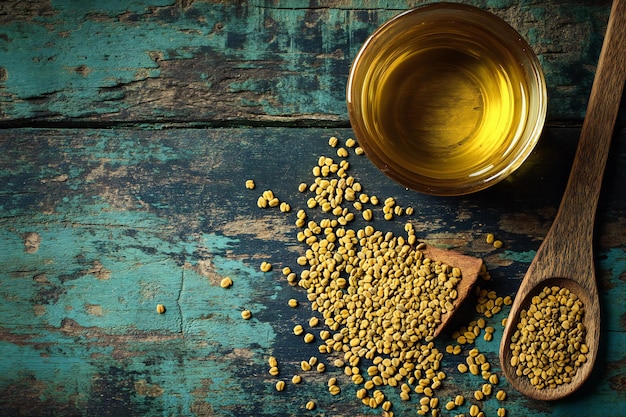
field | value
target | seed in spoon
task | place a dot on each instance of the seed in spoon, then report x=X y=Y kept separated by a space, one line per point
x=549 y=346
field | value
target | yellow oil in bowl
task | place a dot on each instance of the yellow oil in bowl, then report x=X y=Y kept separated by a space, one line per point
x=447 y=99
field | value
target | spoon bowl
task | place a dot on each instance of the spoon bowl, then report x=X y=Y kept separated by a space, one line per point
x=589 y=319
x=565 y=258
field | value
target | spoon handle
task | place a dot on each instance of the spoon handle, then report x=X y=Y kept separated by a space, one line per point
x=575 y=217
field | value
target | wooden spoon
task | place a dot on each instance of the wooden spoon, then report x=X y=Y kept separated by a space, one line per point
x=565 y=258
x=470 y=268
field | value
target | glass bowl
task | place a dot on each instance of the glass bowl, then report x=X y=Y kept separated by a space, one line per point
x=446 y=99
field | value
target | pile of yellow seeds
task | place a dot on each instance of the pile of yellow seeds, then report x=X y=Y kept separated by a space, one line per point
x=377 y=291
x=548 y=346
x=379 y=297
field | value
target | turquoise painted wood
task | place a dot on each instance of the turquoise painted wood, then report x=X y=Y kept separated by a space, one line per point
x=98 y=226
x=234 y=62
x=123 y=159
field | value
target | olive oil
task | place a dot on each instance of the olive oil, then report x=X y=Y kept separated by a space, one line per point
x=447 y=103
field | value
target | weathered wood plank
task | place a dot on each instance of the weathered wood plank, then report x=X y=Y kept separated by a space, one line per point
x=169 y=61
x=98 y=226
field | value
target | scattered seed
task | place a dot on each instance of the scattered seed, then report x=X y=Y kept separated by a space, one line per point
x=342 y=153
x=490 y=238
x=274 y=371
x=246 y=314
x=285 y=207
x=474 y=369
x=266 y=266
x=226 y=282
x=497 y=244
x=310 y=405
x=501 y=395
x=160 y=308
x=293 y=303
x=355 y=282
x=250 y=184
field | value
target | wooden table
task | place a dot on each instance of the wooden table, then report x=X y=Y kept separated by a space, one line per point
x=128 y=132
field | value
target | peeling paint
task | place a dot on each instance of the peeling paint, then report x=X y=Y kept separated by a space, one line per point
x=222 y=61
x=32 y=240
x=148 y=217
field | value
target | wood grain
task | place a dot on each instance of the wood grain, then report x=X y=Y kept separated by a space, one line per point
x=124 y=219
x=224 y=63
x=122 y=171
